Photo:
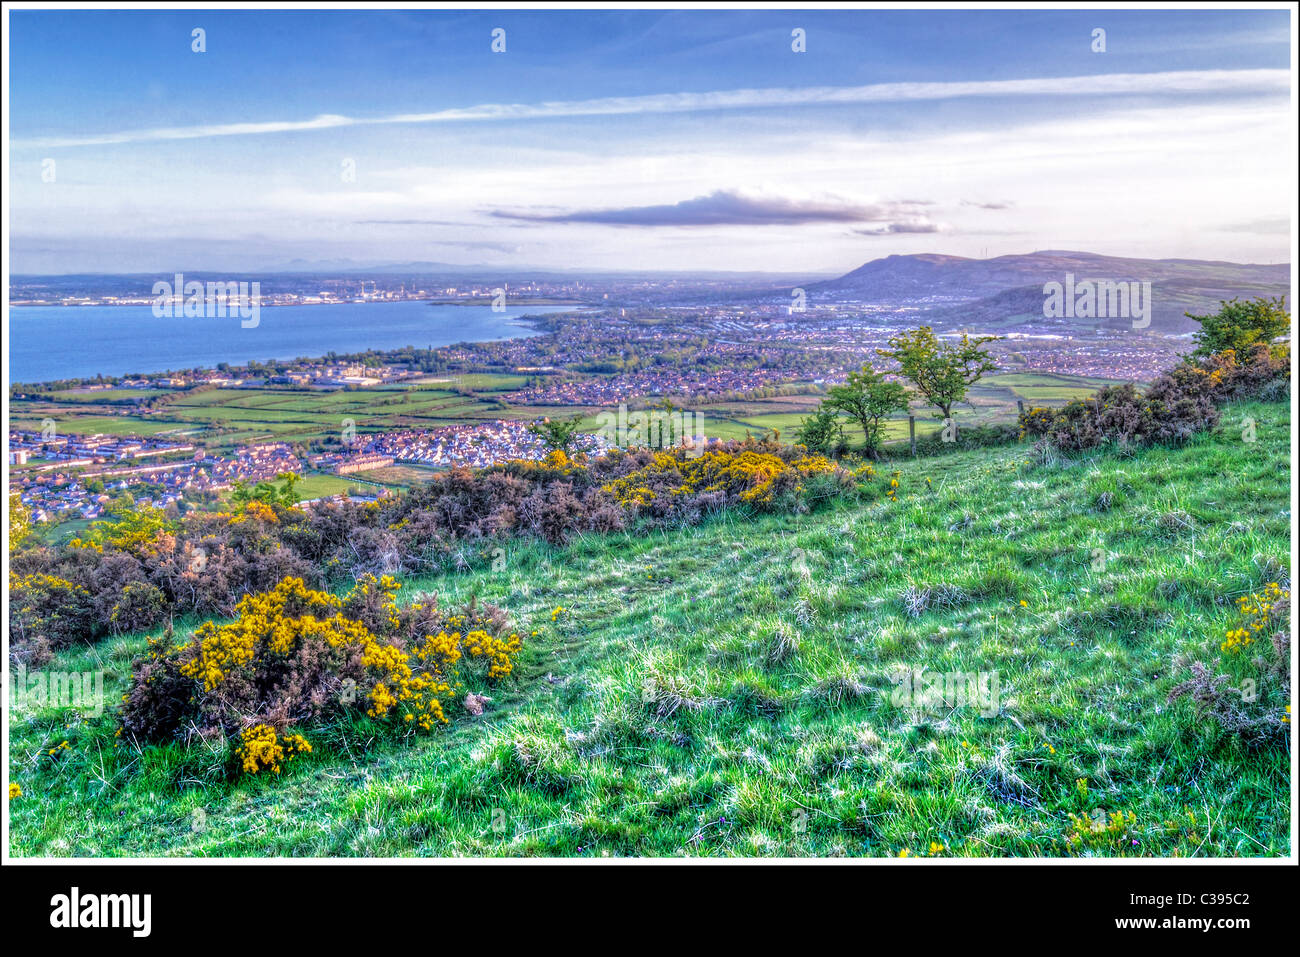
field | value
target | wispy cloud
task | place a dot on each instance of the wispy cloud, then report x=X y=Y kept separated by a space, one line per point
x=1271 y=226
x=724 y=208
x=411 y=222
x=894 y=229
x=1112 y=84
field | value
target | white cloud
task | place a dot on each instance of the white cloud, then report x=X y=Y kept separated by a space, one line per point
x=1170 y=82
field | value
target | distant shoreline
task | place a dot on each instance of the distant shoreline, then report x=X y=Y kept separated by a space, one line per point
x=70 y=343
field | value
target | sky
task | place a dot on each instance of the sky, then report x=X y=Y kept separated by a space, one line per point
x=643 y=140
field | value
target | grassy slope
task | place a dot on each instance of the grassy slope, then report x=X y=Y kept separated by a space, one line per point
x=801 y=755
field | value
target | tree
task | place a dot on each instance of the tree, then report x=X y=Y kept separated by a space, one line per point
x=1238 y=325
x=823 y=432
x=268 y=493
x=866 y=397
x=942 y=372
x=557 y=434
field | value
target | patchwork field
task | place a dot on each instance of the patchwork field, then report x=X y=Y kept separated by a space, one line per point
x=226 y=418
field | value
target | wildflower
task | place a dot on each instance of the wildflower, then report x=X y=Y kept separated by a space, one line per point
x=15 y=791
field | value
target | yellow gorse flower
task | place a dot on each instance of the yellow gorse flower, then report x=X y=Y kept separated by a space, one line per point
x=261 y=748
x=748 y=475
x=418 y=683
x=1257 y=610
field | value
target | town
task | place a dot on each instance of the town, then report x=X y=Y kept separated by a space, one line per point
x=77 y=476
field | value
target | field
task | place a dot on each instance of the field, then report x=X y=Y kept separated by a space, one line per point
x=397 y=476
x=225 y=418
x=726 y=690
x=991 y=401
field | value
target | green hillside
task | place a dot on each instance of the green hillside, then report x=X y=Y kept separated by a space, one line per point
x=728 y=689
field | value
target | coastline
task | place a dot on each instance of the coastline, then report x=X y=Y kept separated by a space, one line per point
x=206 y=348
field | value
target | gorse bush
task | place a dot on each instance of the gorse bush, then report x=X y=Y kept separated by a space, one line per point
x=1247 y=694
x=1175 y=407
x=673 y=484
x=1235 y=358
x=46 y=613
x=1257 y=371
x=136 y=570
x=295 y=655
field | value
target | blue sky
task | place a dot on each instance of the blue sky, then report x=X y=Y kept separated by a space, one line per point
x=647 y=140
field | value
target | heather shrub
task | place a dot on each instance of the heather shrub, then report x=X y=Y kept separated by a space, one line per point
x=295 y=655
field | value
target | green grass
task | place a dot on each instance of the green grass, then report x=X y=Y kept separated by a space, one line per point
x=103 y=395
x=701 y=696
x=318 y=485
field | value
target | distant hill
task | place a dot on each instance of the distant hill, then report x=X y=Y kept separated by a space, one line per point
x=1007 y=291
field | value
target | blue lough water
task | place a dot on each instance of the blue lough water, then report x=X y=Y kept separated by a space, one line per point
x=64 y=342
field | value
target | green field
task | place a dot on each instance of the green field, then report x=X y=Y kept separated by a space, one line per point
x=992 y=401
x=225 y=418
x=104 y=395
x=703 y=696
x=398 y=476
x=222 y=419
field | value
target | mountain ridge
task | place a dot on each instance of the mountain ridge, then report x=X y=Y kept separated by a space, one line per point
x=1007 y=290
